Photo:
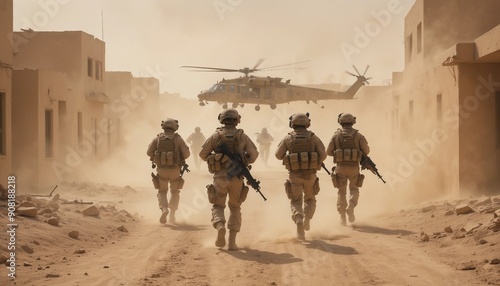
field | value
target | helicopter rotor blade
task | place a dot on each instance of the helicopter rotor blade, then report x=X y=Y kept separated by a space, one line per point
x=367 y=67
x=266 y=68
x=257 y=63
x=350 y=73
x=211 y=68
x=356 y=69
x=297 y=68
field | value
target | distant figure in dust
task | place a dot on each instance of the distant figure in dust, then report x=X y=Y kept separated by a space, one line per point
x=168 y=152
x=347 y=146
x=226 y=182
x=265 y=140
x=196 y=139
x=302 y=153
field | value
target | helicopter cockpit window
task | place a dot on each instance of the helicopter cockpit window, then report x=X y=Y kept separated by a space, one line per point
x=232 y=88
x=213 y=87
x=221 y=87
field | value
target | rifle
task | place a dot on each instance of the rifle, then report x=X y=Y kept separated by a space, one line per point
x=185 y=168
x=240 y=169
x=324 y=167
x=367 y=163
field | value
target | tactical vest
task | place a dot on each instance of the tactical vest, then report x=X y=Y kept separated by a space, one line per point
x=166 y=154
x=348 y=148
x=219 y=161
x=301 y=155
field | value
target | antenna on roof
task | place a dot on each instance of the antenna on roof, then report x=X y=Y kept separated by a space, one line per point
x=102 y=25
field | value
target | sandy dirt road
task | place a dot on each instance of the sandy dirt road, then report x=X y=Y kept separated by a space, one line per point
x=365 y=253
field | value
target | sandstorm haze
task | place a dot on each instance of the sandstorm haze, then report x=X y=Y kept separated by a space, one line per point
x=157 y=37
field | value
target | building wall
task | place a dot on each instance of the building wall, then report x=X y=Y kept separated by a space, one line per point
x=479 y=153
x=35 y=93
x=76 y=54
x=6 y=18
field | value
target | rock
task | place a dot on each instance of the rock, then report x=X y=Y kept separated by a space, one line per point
x=495 y=261
x=122 y=228
x=467 y=266
x=3 y=259
x=53 y=221
x=471 y=226
x=79 y=251
x=496 y=213
x=450 y=212
x=74 y=234
x=459 y=234
x=27 y=264
x=53 y=202
x=424 y=237
x=484 y=201
x=428 y=208
x=448 y=229
x=35 y=242
x=482 y=241
x=52 y=275
x=91 y=211
x=463 y=209
x=27 y=248
x=27 y=211
x=27 y=204
x=44 y=211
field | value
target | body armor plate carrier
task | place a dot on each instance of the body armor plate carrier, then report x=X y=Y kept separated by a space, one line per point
x=301 y=155
x=348 y=149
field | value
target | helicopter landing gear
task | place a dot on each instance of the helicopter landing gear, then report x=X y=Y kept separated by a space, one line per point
x=273 y=106
x=257 y=108
x=224 y=106
x=202 y=103
x=235 y=104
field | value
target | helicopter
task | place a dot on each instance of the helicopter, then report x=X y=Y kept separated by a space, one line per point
x=249 y=89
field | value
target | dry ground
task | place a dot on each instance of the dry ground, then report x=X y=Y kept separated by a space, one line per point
x=385 y=246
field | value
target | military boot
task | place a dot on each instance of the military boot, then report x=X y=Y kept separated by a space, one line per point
x=171 y=217
x=350 y=214
x=307 y=223
x=342 y=219
x=232 y=240
x=164 y=213
x=301 y=235
x=221 y=235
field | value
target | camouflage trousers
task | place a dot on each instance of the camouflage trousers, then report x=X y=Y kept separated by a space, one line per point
x=169 y=177
x=347 y=175
x=233 y=188
x=303 y=196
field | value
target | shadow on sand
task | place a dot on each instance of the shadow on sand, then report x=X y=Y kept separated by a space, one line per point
x=330 y=248
x=264 y=257
x=186 y=227
x=375 y=229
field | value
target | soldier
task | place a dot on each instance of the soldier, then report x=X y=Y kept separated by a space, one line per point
x=196 y=139
x=305 y=154
x=264 y=139
x=168 y=152
x=347 y=146
x=225 y=181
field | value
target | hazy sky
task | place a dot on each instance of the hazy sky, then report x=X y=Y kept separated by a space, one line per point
x=155 y=38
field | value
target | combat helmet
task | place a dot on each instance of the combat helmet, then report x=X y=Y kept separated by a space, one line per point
x=346 y=118
x=197 y=129
x=170 y=123
x=299 y=119
x=230 y=113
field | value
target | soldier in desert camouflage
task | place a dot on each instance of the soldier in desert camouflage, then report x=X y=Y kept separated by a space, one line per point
x=264 y=139
x=302 y=153
x=168 y=152
x=347 y=146
x=227 y=181
x=196 y=139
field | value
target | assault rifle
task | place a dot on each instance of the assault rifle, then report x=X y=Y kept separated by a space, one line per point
x=324 y=167
x=185 y=168
x=367 y=163
x=239 y=168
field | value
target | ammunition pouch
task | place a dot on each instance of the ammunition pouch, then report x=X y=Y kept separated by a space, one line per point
x=347 y=155
x=211 y=164
x=302 y=161
x=211 y=193
x=316 y=186
x=156 y=181
x=335 y=180
x=288 y=189
x=244 y=194
x=361 y=178
x=162 y=159
x=217 y=162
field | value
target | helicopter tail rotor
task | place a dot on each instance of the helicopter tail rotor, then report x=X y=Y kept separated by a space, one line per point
x=359 y=75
